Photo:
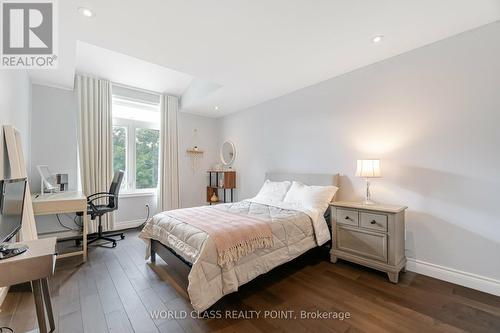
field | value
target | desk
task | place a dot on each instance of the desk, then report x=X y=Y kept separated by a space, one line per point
x=34 y=265
x=60 y=203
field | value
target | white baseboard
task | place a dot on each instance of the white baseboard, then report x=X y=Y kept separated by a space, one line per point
x=128 y=224
x=470 y=280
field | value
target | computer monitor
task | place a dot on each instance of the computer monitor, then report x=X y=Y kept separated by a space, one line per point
x=12 y=193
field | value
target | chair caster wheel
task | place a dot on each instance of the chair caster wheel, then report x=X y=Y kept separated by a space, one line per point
x=114 y=244
x=122 y=236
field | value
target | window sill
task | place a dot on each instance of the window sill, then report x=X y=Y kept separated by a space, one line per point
x=145 y=193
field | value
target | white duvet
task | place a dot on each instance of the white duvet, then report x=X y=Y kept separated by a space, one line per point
x=294 y=231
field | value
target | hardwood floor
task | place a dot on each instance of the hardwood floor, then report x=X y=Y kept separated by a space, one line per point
x=116 y=291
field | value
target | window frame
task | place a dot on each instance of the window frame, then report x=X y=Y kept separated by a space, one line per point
x=130 y=158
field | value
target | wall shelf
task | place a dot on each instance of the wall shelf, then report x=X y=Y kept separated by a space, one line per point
x=192 y=151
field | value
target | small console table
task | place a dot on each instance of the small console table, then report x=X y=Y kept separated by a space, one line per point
x=370 y=235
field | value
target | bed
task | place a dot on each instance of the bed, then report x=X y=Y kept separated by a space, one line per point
x=192 y=255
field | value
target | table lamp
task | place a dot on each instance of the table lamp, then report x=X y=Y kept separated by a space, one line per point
x=368 y=169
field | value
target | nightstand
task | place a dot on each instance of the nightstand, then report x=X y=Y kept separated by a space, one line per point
x=369 y=235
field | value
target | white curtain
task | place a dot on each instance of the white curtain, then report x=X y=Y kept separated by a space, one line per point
x=169 y=165
x=95 y=139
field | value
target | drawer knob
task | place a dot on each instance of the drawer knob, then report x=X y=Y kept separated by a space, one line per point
x=373 y=222
x=347 y=218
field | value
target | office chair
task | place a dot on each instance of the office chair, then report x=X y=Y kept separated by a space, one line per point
x=98 y=210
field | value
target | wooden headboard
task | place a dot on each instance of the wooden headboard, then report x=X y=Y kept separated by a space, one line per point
x=306 y=178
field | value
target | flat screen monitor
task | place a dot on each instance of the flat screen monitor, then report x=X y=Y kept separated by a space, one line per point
x=11 y=207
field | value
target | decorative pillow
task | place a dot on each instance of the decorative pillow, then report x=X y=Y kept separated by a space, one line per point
x=315 y=197
x=273 y=192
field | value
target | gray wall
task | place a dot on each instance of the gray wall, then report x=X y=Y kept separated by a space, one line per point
x=54 y=142
x=431 y=115
x=15 y=109
x=193 y=182
x=53 y=134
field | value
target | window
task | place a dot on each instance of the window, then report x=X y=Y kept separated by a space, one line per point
x=136 y=143
x=120 y=150
x=147 y=142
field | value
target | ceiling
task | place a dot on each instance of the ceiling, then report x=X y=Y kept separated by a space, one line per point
x=242 y=53
x=127 y=70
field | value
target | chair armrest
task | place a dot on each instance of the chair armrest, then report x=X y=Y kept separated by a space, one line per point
x=102 y=195
x=91 y=206
x=98 y=193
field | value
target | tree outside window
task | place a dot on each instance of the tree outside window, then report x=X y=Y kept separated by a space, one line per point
x=119 y=148
x=147 y=143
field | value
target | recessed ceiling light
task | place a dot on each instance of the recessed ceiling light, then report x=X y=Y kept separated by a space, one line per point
x=378 y=39
x=85 y=11
x=216 y=108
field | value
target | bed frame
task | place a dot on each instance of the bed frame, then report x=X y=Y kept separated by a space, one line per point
x=179 y=269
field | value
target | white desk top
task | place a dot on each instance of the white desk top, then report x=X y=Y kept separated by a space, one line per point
x=60 y=196
x=58 y=203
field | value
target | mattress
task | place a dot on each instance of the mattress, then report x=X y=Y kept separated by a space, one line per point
x=294 y=232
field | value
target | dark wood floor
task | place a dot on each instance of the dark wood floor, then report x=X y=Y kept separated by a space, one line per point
x=116 y=290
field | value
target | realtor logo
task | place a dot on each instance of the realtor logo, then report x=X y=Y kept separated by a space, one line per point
x=28 y=34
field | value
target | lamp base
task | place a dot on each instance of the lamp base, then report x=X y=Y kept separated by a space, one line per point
x=368 y=200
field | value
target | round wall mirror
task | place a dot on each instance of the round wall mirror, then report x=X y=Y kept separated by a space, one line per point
x=227 y=153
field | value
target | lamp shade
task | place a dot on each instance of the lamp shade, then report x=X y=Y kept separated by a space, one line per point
x=368 y=169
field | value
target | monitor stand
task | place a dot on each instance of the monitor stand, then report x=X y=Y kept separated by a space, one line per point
x=10 y=250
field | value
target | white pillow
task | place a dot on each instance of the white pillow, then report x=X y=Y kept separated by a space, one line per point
x=273 y=192
x=311 y=197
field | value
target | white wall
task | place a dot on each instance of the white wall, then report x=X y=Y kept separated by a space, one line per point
x=15 y=109
x=132 y=210
x=193 y=183
x=431 y=115
x=53 y=142
x=53 y=134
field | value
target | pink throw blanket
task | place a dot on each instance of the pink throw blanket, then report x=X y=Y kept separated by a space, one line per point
x=234 y=235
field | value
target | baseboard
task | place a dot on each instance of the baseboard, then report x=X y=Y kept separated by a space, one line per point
x=469 y=280
x=128 y=224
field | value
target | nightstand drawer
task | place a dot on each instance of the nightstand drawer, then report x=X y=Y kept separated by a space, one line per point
x=364 y=243
x=373 y=221
x=346 y=216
